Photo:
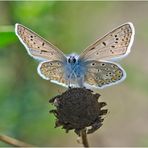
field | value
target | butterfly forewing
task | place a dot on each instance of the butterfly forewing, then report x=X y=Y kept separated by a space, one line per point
x=36 y=46
x=102 y=74
x=115 y=44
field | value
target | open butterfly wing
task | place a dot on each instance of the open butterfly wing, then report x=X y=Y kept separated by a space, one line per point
x=53 y=71
x=36 y=46
x=115 y=44
x=102 y=74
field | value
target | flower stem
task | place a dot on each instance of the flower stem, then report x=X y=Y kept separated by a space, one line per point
x=84 y=138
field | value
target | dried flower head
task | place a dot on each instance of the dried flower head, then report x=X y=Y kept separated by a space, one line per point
x=78 y=108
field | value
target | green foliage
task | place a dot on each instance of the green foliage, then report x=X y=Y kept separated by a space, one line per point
x=7 y=36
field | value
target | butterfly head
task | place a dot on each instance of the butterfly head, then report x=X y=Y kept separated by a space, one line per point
x=72 y=59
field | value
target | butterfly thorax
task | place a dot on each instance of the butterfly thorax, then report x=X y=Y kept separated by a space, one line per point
x=72 y=63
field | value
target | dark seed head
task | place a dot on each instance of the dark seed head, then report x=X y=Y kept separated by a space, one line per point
x=78 y=108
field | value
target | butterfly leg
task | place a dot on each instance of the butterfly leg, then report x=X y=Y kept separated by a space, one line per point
x=80 y=81
x=69 y=82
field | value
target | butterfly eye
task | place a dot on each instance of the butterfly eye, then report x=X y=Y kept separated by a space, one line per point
x=74 y=60
x=69 y=60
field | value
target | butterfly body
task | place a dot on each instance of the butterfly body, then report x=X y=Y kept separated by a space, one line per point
x=92 y=68
x=74 y=70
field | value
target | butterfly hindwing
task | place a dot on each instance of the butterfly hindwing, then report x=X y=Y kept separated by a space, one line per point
x=53 y=71
x=101 y=74
x=116 y=43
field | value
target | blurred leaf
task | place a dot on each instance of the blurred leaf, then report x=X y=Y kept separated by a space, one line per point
x=7 y=36
x=29 y=11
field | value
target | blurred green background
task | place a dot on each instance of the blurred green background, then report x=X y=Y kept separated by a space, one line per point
x=71 y=26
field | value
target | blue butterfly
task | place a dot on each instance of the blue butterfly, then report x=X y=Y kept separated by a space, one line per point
x=92 y=68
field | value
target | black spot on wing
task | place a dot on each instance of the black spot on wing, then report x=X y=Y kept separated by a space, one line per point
x=43 y=51
x=92 y=48
x=104 y=43
x=43 y=44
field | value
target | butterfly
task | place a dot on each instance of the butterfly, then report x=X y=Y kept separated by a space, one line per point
x=92 y=68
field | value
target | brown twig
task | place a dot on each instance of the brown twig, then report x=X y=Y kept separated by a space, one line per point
x=13 y=142
x=84 y=138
